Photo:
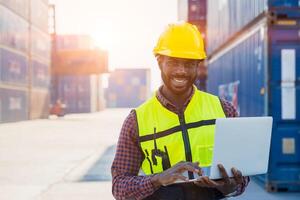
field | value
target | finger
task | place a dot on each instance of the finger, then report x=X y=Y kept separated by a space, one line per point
x=213 y=183
x=200 y=172
x=178 y=176
x=224 y=174
x=208 y=182
x=200 y=183
x=237 y=175
x=188 y=167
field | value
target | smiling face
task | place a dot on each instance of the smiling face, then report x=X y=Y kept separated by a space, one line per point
x=178 y=74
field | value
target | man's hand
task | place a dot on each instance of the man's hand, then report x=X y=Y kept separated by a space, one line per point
x=226 y=185
x=174 y=173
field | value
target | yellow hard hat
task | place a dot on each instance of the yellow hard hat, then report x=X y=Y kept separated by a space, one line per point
x=181 y=40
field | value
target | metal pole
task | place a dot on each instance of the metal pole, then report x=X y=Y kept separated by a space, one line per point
x=29 y=61
x=53 y=76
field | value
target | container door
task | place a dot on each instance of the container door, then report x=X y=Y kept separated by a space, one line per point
x=284 y=170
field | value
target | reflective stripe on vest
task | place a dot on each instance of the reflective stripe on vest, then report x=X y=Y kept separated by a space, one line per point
x=167 y=138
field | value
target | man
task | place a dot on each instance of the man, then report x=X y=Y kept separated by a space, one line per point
x=172 y=132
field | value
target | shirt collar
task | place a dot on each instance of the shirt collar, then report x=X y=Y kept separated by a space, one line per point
x=168 y=104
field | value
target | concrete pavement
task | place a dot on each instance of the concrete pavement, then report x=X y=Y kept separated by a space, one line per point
x=45 y=159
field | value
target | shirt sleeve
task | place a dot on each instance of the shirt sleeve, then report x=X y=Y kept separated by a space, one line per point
x=230 y=111
x=126 y=184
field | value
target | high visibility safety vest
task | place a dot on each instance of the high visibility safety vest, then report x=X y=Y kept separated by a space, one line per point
x=167 y=138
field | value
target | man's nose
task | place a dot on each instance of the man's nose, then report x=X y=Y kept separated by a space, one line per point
x=180 y=68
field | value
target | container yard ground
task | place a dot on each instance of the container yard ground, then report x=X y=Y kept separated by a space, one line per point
x=69 y=158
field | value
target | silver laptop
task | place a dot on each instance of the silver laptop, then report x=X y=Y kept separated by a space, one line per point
x=243 y=143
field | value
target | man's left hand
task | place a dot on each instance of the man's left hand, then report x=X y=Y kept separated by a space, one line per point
x=226 y=185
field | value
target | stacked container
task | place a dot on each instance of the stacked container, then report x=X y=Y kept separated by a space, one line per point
x=81 y=93
x=194 y=11
x=128 y=88
x=24 y=60
x=254 y=49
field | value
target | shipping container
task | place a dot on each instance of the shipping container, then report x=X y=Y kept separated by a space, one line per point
x=72 y=42
x=283 y=3
x=40 y=74
x=193 y=11
x=74 y=92
x=80 y=62
x=20 y=7
x=13 y=30
x=97 y=93
x=39 y=103
x=226 y=18
x=13 y=105
x=24 y=74
x=128 y=87
x=40 y=44
x=80 y=94
x=13 y=68
x=39 y=14
x=259 y=72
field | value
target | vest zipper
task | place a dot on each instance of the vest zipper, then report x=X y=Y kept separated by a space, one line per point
x=186 y=140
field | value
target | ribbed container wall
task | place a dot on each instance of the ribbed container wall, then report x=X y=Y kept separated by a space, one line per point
x=40 y=60
x=13 y=105
x=80 y=93
x=24 y=60
x=13 y=68
x=193 y=11
x=259 y=72
x=19 y=7
x=71 y=42
x=283 y=3
x=227 y=17
x=127 y=88
x=238 y=69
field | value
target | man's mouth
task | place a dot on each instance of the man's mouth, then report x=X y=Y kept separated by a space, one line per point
x=179 y=82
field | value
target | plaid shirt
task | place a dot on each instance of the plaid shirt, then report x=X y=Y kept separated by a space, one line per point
x=126 y=184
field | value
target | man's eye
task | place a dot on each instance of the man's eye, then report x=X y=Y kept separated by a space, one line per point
x=170 y=63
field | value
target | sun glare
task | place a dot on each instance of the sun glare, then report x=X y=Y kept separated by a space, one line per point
x=104 y=37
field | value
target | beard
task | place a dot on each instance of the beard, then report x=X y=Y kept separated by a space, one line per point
x=167 y=80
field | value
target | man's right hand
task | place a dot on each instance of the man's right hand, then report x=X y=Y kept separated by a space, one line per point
x=174 y=173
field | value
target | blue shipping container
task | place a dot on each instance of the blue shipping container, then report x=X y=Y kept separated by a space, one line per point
x=20 y=7
x=13 y=30
x=72 y=42
x=13 y=67
x=40 y=74
x=13 y=105
x=194 y=11
x=128 y=87
x=226 y=18
x=39 y=14
x=74 y=92
x=284 y=3
x=259 y=73
x=40 y=43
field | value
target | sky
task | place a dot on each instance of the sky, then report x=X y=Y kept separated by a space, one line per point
x=128 y=29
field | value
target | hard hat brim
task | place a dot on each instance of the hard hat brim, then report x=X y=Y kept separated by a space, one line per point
x=178 y=54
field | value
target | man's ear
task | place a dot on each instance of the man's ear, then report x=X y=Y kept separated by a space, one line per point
x=159 y=59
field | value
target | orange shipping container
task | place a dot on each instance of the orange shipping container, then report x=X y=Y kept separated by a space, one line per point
x=80 y=62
